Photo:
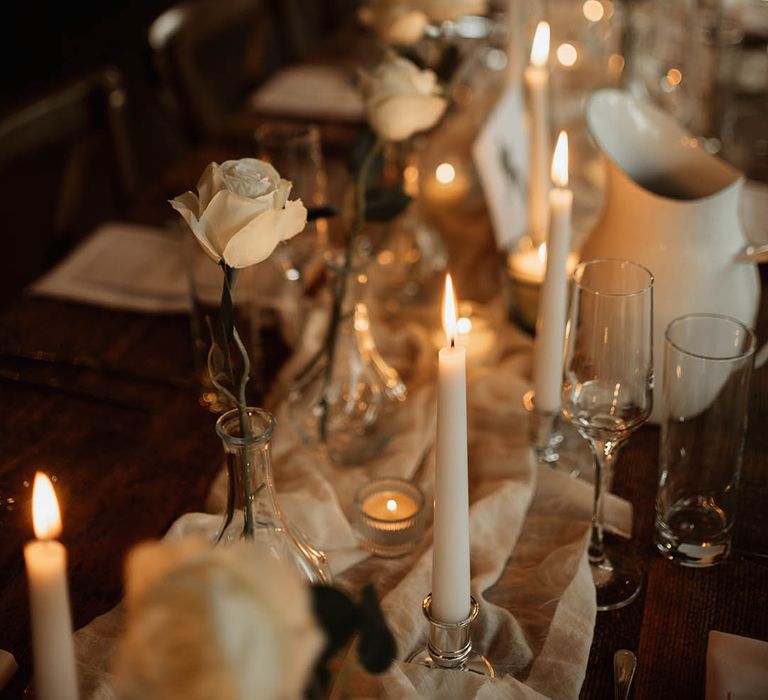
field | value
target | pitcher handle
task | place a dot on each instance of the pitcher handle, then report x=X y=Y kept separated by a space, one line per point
x=753 y=254
x=761 y=356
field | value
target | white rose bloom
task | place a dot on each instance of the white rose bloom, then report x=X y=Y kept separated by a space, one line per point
x=401 y=100
x=394 y=22
x=241 y=211
x=451 y=10
x=205 y=622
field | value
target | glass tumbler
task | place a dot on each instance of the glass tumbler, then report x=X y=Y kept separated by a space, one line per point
x=295 y=151
x=707 y=367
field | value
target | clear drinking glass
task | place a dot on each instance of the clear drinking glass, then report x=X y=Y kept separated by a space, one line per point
x=607 y=390
x=295 y=150
x=707 y=368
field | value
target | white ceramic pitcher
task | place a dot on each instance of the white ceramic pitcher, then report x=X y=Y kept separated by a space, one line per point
x=674 y=208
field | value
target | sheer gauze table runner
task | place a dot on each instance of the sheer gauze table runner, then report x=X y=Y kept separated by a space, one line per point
x=536 y=518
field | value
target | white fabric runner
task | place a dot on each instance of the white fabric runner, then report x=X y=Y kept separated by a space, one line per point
x=535 y=517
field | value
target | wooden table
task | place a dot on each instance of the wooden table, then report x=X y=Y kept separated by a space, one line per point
x=125 y=472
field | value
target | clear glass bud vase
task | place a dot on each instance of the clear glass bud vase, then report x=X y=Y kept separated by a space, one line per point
x=346 y=399
x=252 y=508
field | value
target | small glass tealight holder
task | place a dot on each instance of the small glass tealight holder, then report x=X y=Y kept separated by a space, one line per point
x=555 y=443
x=526 y=266
x=389 y=516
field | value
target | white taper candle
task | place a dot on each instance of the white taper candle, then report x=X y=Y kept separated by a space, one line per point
x=550 y=322
x=450 y=563
x=537 y=83
x=46 y=562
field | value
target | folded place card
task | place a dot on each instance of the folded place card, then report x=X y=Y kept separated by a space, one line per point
x=737 y=667
x=122 y=266
x=311 y=92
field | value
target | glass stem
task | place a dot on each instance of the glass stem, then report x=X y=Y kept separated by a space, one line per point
x=605 y=454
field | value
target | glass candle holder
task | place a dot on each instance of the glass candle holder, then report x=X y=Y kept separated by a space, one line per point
x=475 y=331
x=389 y=516
x=525 y=267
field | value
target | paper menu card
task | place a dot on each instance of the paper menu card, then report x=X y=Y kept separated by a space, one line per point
x=501 y=157
x=737 y=667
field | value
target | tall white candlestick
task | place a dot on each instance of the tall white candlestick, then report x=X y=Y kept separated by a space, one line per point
x=46 y=562
x=550 y=323
x=450 y=563
x=537 y=83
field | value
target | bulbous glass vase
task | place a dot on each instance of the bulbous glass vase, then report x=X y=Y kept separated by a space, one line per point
x=252 y=510
x=345 y=400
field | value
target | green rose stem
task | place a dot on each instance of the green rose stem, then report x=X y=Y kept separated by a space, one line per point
x=361 y=186
x=229 y=334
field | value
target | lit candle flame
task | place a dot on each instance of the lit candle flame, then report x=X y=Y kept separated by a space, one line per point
x=540 y=47
x=391 y=505
x=449 y=312
x=542 y=252
x=46 y=518
x=560 y=161
x=445 y=173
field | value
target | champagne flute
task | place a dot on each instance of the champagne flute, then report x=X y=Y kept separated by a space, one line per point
x=607 y=391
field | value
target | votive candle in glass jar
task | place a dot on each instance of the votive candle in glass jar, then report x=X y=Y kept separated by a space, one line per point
x=389 y=516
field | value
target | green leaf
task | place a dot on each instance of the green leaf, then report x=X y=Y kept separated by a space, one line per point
x=217 y=363
x=413 y=57
x=336 y=614
x=383 y=204
x=449 y=62
x=314 y=213
x=377 y=648
x=359 y=151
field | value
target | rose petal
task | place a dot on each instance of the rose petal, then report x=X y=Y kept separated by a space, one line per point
x=208 y=185
x=252 y=167
x=396 y=119
x=249 y=177
x=451 y=10
x=256 y=241
x=405 y=29
x=283 y=190
x=295 y=219
x=228 y=213
x=187 y=204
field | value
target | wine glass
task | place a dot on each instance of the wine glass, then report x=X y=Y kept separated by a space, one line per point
x=607 y=391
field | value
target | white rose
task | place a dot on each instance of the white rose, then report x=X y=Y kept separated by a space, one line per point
x=451 y=10
x=241 y=211
x=203 y=622
x=395 y=22
x=401 y=100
